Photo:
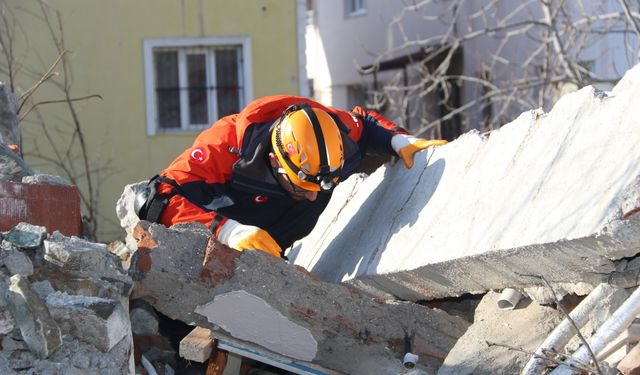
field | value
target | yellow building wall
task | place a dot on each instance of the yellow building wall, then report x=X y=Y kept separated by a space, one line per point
x=107 y=42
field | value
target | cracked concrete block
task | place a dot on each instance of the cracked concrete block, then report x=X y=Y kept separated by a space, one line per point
x=18 y=263
x=525 y=327
x=26 y=236
x=185 y=276
x=85 y=285
x=81 y=256
x=100 y=322
x=484 y=211
x=38 y=329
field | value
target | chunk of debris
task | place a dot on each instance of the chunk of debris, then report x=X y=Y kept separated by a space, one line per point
x=16 y=262
x=493 y=342
x=25 y=236
x=39 y=330
x=98 y=321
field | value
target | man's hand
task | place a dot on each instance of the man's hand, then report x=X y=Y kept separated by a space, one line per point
x=407 y=145
x=247 y=237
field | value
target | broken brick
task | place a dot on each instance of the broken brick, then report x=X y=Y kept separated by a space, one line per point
x=54 y=207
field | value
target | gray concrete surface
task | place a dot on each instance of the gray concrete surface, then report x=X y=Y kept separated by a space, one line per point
x=353 y=333
x=550 y=194
x=524 y=328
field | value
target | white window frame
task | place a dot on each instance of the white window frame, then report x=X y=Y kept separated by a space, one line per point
x=245 y=78
x=360 y=5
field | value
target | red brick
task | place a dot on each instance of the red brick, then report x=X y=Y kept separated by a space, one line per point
x=55 y=207
x=218 y=263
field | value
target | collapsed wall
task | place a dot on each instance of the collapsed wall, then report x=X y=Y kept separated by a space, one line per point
x=551 y=195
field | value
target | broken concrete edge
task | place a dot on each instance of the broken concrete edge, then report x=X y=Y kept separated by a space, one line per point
x=169 y=266
x=520 y=268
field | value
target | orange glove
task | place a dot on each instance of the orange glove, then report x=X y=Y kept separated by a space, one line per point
x=406 y=145
x=247 y=237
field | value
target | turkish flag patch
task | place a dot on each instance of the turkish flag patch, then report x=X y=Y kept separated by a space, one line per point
x=259 y=199
x=198 y=155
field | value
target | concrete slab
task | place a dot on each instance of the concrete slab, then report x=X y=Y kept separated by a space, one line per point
x=282 y=308
x=553 y=195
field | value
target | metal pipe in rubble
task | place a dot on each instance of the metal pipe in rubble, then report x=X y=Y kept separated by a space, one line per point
x=561 y=335
x=618 y=322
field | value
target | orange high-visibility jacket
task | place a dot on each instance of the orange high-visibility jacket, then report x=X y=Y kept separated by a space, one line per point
x=226 y=173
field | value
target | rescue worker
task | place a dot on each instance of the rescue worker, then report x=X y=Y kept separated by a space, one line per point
x=260 y=179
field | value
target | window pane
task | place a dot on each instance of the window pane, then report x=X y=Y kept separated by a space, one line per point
x=228 y=87
x=197 y=82
x=167 y=89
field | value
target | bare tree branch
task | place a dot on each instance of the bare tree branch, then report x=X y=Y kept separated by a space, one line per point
x=59 y=101
x=49 y=74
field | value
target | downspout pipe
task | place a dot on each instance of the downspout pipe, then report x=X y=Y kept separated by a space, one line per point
x=618 y=322
x=561 y=335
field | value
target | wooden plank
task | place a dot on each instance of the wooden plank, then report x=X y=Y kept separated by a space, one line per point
x=197 y=346
x=217 y=363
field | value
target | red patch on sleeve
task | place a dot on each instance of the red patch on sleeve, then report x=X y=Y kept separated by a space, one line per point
x=198 y=155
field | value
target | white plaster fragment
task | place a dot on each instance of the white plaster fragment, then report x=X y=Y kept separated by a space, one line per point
x=250 y=318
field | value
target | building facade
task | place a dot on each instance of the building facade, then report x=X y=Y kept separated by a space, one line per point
x=144 y=77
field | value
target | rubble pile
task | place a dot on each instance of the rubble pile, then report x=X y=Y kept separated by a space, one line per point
x=63 y=305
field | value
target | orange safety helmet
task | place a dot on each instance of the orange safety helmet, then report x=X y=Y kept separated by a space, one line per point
x=308 y=145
